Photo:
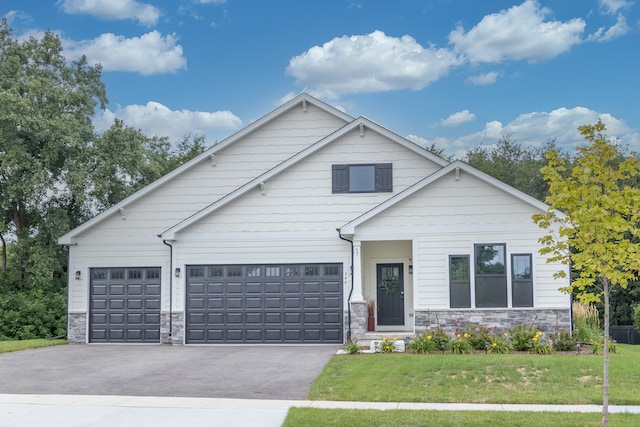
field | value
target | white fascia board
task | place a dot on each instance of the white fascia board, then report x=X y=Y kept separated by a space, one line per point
x=350 y=227
x=68 y=238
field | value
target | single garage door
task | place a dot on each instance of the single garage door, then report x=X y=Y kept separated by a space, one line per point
x=125 y=305
x=284 y=303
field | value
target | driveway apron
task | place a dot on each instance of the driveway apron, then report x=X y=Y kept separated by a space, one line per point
x=237 y=372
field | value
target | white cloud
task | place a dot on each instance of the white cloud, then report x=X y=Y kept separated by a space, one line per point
x=114 y=9
x=485 y=79
x=612 y=6
x=536 y=129
x=157 y=119
x=456 y=119
x=370 y=63
x=518 y=33
x=150 y=53
x=619 y=29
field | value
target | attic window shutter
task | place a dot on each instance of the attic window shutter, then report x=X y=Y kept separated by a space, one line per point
x=384 y=177
x=340 y=178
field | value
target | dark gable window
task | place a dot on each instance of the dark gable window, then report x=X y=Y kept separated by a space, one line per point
x=491 y=277
x=365 y=178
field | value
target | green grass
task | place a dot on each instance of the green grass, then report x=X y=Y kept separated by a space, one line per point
x=7 y=346
x=480 y=378
x=372 y=418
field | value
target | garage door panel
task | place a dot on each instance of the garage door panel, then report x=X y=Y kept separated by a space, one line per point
x=292 y=302
x=254 y=318
x=331 y=302
x=273 y=288
x=253 y=288
x=288 y=303
x=125 y=305
x=214 y=288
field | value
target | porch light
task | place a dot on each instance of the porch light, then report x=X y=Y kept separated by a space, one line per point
x=177 y=272
x=78 y=274
x=411 y=269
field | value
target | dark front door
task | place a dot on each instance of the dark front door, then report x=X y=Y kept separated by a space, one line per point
x=390 y=294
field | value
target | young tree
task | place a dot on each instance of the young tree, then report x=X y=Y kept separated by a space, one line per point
x=595 y=210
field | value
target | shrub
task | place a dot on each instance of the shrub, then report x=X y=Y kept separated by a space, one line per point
x=352 y=347
x=424 y=343
x=521 y=336
x=563 y=341
x=499 y=345
x=387 y=345
x=32 y=314
x=586 y=320
x=479 y=336
x=636 y=317
x=460 y=344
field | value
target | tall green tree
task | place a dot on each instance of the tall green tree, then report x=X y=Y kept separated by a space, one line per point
x=56 y=172
x=597 y=230
x=46 y=105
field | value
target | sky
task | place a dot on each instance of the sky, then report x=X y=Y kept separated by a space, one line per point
x=453 y=73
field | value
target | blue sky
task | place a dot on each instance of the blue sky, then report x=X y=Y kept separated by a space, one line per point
x=455 y=73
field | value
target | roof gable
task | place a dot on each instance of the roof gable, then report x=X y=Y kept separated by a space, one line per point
x=360 y=124
x=455 y=167
x=302 y=100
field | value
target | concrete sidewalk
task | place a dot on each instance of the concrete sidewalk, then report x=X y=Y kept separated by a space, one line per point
x=24 y=410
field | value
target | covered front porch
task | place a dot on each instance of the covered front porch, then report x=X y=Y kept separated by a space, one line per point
x=383 y=290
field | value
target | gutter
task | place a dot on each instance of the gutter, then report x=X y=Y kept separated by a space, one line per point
x=351 y=290
x=170 y=287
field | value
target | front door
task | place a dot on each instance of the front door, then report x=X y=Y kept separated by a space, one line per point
x=390 y=294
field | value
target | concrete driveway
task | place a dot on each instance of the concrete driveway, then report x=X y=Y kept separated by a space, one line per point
x=236 y=372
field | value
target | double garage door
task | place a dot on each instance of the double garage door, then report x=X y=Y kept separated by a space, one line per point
x=273 y=303
x=124 y=305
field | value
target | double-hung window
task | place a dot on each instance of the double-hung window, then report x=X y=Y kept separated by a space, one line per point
x=491 y=275
x=521 y=280
x=362 y=178
x=459 y=283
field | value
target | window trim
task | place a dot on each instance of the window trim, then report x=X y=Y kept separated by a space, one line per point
x=382 y=178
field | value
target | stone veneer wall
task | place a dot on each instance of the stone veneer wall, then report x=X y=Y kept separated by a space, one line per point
x=549 y=320
x=77 y=328
x=358 y=319
x=177 y=333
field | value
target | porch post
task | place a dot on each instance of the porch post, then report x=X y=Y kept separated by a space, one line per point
x=357 y=272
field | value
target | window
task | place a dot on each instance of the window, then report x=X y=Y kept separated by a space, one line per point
x=459 y=283
x=521 y=280
x=365 y=178
x=491 y=277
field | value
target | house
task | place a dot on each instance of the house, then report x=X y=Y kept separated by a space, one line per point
x=283 y=231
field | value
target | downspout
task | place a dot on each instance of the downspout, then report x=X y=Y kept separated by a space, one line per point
x=351 y=290
x=170 y=287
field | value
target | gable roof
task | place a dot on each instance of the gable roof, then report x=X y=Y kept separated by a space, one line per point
x=301 y=99
x=349 y=228
x=361 y=123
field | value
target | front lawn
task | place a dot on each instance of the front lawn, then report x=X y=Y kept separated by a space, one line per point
x=480 y=378
x=7 y=346
x=352 y=418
